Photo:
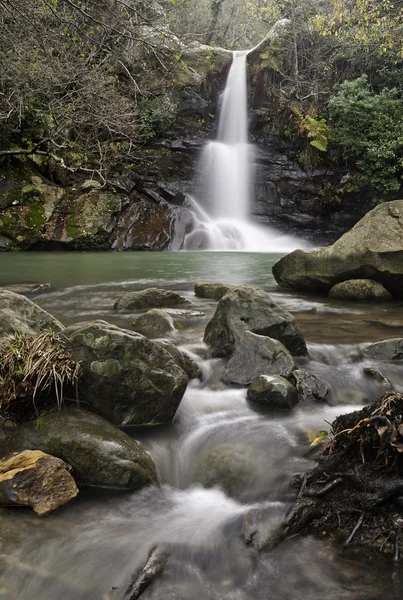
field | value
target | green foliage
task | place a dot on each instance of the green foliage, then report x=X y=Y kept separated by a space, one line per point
x=369 y=128
x=156 y=116
x=313 y=130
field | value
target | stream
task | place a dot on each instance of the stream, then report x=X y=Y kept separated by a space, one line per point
x=90 y=548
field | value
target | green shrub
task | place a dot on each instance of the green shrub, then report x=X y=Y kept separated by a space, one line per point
x=369 y=128
x=156 y=116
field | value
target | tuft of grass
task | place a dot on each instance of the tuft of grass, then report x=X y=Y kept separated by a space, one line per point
x=34 y=370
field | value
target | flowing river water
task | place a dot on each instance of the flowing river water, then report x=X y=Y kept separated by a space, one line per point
x=90 y=548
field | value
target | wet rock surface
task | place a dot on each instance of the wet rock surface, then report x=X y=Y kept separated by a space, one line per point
x=33 y=478
x=18 y=313
x=256 y=355
x=360 y=290
x=309 y=387
x=211 y=290
x=373 y=249
x=244 y=309
x=150 y=298
x=273 y=392
x=99 y=453
x=127 y=378
x=154 y=322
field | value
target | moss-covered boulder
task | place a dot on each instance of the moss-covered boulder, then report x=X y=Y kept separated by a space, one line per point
x=373 y=249
x=18 y=313
x=360 y=290
x=127 y=378
x=256 y=355
x=150 y=298
x=99 y=453
x=246 y=308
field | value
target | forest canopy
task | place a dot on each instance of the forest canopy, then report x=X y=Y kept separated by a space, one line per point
x=91 y=81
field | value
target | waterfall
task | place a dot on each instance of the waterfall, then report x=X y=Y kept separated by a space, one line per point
x=221 y=211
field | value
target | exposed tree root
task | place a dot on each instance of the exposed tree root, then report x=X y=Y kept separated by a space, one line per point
x=355 y=494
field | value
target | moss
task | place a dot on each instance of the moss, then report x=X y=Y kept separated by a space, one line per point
x=72 y=229
x=35 y=219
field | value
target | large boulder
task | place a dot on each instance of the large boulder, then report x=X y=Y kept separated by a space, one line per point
x=373 y=249
x=257 y=355
x=99 y=453
x=150 y=298
x=18 y=313
x=127 y=378
x=360 y=290
x=211 y=290
x=246 y=308
x=273 y=392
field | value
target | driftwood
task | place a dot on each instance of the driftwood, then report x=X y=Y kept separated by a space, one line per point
x=152 y=569
x=33 y=478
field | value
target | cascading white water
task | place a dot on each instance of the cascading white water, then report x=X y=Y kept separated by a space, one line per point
x=226 y=180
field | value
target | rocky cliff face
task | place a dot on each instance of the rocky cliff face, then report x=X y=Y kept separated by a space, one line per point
x=144 y=207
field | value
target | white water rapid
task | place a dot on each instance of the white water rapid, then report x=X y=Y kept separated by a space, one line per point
x=226 y=174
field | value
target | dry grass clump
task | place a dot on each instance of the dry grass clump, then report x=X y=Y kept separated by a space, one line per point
x=34 y=370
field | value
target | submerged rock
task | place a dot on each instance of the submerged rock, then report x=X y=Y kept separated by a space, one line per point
x=360 y=290
x=244 y=309
x=18 y=313
x=33 y=478
x=127 y=378
x=273 y=391
x=256 y=355
x=100 y=454
x=230 y=467
x=154 y=322
x=211 y=290
x=373 y=249
x=26 y=288
x=385 y=351
x=309 y=386
x=150 y=298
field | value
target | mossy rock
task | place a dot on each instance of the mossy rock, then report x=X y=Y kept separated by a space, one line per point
x=150 y=298
x=127 y=378
x=99 y=453
x=18 y=313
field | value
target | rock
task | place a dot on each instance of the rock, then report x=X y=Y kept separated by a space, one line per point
x=150 y=298
x=127 y=378
x=273 y=391
x=246 y=308
x=17 y=313
x=183 y=360
x=211 y=290
x=154 y=322
x=384 y=351
x=33 y=478
x=309 y=386
x=230 y=467
x=91 y=184
x=256 y=355
x=360 y=290
x=99 y=453
x=378 y=376
x=373 y=249
x=26 y=288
